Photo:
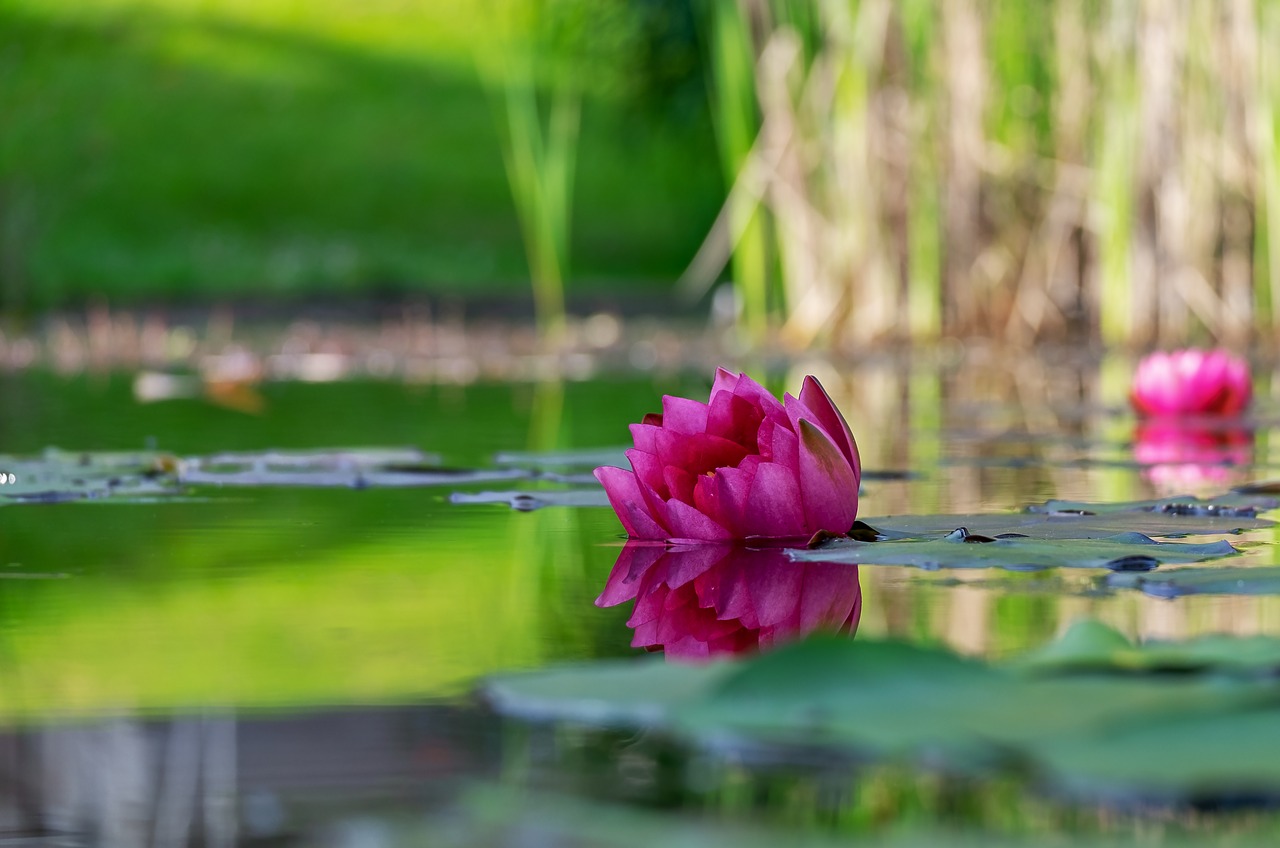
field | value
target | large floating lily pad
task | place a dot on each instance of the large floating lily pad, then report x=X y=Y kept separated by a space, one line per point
x=1122 y=552
x=1196 y=736
x=1203 y=581
x=1042 y=524
x=63 y=476
x=341 y=467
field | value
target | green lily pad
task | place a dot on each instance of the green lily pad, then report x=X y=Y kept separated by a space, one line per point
x=1233 y=504
x=1211 y=757
x=608 y=693
x=560 y=460
x=1090 y=645
x=1043 y=524
x=326 y=459
x=62 y=476
x=1121 y=552
x=356 y=468
x=1202 y=581
x=1114 y=736
x=528 y=501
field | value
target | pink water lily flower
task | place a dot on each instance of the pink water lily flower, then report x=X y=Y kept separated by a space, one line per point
x=704 y=600
x=1191 y=382
x=741 y=465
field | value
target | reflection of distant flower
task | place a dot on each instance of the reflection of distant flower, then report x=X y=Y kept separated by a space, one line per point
x=704 y=600
x=1178 y=456
x=1191 y=382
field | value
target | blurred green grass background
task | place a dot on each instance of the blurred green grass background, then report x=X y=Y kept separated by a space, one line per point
x=158 y=150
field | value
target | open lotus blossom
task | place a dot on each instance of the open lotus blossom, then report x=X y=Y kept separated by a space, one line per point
x=1191 y=382
x=702 y=600
x=741 y=465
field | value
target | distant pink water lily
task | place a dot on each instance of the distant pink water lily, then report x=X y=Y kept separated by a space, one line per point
x=703 y=600
x=1191 y=382
x=742 y=465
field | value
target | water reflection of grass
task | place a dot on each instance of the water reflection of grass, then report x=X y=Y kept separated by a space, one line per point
x=289 y=600
x=273 y=597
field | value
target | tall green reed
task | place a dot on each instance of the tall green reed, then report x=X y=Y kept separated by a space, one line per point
x=1001 y=169
x=536 y=87
x=741 y=232
x=540 y=157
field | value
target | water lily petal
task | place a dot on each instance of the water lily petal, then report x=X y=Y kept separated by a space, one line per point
x=734 y=418
x=707 y=500
x=645 y=435
x=682 y=415
x=774 y=506
x=680 y=483
x=648 y=469
x=827 y=482
x=685 y=522
x=697 y=453
x=785 y=448
x=759 y=396
x=725 y=381
x=825 y=413
x=652 y=483
x=626 y=498
x=733 y=488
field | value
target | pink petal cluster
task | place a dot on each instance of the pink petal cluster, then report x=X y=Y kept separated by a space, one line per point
x=1191 y=382
x=741 y=465
x=699 y=601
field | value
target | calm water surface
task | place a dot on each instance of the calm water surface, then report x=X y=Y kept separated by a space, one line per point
x=286 y=647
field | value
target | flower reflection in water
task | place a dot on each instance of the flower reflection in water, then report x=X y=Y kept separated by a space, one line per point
x=702 y=600
x=1184 y=456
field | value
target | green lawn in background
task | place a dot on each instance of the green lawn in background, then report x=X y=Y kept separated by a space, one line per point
x=165 y=150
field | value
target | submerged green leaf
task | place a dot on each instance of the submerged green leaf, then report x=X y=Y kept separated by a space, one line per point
x=1121 y=552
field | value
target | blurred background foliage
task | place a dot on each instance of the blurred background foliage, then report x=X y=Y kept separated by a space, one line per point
x=882 y=170
x=175 y=150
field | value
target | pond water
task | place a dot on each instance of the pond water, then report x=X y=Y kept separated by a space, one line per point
x=254 y=662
